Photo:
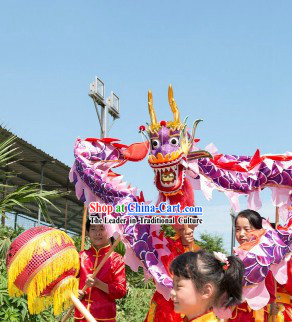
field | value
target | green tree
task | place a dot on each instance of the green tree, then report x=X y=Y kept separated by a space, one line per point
x=211 y=242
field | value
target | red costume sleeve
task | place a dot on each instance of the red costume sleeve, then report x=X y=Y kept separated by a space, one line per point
x=117 y=288
x=270 y=285
x=288 y=286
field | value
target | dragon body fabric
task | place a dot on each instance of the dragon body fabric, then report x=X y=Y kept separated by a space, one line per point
x=179 y=169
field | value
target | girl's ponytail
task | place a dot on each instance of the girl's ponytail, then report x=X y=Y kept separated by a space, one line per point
x=231 y=283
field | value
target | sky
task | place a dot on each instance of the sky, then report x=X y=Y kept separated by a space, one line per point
x=229 y=63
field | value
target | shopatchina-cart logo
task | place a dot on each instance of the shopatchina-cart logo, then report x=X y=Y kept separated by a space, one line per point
x=162 y=213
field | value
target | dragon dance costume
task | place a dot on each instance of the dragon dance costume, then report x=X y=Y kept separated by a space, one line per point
x=284 y=293
x=179 y=169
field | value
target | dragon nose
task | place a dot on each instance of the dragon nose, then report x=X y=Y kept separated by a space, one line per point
x=165 y=149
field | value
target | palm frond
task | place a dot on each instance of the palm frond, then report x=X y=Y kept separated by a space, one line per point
x=27 y=194
x=7 y=151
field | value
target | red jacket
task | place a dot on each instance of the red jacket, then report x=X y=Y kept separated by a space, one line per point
x=101 y=305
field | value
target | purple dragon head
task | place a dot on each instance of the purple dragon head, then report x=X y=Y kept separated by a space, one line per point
x=170 y=148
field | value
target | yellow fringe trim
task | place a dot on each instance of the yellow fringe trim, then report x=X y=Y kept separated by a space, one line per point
x=62 y=299
x=15 y=291
x=37 y=245
x=48 y=273
x=40 y=303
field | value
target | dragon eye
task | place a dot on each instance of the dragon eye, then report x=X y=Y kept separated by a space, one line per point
x=174 y=141
x=155 y=144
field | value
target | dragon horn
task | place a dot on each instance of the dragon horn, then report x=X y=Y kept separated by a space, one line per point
x=191 y=141
x=173 y=105
x=195 y=127
x=151 y=109
x=194 y=132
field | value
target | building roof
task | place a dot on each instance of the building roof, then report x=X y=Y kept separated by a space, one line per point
x=28 y=168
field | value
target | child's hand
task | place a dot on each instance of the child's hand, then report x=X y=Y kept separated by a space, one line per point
x=80 y=295
x=89 y=280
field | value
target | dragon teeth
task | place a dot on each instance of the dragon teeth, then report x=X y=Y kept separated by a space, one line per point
x=173 y=168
